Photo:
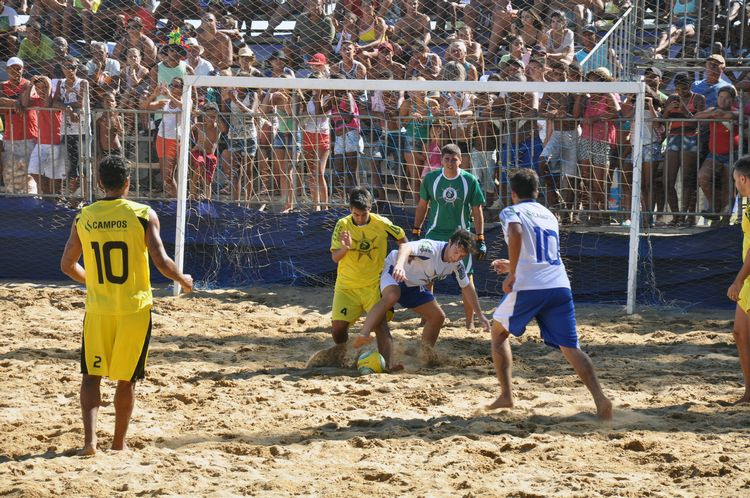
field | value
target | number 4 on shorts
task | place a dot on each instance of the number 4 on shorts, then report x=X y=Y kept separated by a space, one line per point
x=343 y=311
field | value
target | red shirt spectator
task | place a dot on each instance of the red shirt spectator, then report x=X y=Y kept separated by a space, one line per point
x=18 y=125
x=50 y=123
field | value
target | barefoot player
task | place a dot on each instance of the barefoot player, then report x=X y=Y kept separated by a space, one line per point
x=536 y=287
x=359 y=244
x=739 y=291
x=115 y=237
x=406 y=275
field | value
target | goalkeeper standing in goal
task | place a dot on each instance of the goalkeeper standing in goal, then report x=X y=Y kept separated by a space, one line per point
x=739 y=291
x=536 y=287
x=452 y=198
x=359 y=244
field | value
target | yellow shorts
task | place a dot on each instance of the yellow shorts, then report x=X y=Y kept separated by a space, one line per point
x=349 y=304
x=744 y=299
x=116 y=346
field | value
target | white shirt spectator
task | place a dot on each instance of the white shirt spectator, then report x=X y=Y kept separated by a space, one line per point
x=111 y=67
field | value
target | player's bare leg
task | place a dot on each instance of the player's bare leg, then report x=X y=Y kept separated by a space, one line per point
x=91 y=399
x=124 y=403
x=502 y=358
x=390 y=296
x=433 y=317
x=385 y=345
x=742 y=339
x=584 y=367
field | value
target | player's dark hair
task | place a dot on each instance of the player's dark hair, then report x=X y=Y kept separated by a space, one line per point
x=525 y=183
x=463 y=239
x=360 y=198
x=450 y=149
x=742 y=166
x=113 y=171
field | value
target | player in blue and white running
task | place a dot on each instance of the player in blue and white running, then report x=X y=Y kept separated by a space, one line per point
x=405 y=277
x=536 y=287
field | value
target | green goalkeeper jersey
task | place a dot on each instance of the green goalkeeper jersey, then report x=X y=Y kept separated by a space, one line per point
x=450 y=202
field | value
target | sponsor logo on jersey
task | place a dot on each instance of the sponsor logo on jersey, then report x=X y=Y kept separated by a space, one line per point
x=106 y=225
x=450 y=195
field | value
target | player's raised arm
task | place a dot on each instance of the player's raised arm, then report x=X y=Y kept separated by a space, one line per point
x=69 y=262
x=159 y=255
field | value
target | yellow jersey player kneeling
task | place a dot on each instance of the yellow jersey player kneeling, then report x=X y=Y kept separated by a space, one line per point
x=115 y=236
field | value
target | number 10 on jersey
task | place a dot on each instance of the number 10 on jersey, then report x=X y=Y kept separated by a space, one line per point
x=543 y=248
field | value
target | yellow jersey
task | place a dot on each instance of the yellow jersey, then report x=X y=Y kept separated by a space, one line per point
x=362 y=264
x=115 y=256
x=745 y=232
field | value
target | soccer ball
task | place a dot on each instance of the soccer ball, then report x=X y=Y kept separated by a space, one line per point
x=370 y=362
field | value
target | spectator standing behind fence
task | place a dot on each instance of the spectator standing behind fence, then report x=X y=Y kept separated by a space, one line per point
x=135 y=38
x=47 y=161
x=682 y=143
x=559 y=39
x=597 y=136
x=313 y=32
x=416 y=113
x=348 y=143
x=423 y=62
x=37 y=50
x=316 y=144
x=712 y=80
x=713 y=176
x=135 y=89
x=69 y=96
x=21 y=130
x=103 y=71
x=61 y=48
x=200 y=66
x=559 y=164
x=241 y=105
x=218 y=45
x=110 y=128
x=205 y=137
x=8 y=30
x=168 y=136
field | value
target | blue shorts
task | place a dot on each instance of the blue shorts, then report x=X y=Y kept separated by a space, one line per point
x=287 y=140
x=683 y=143
x=411 y=297
x=552 y=308
x=521 y=155
x=720 y=158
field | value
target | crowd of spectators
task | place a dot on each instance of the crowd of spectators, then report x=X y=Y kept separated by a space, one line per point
x=135 y=74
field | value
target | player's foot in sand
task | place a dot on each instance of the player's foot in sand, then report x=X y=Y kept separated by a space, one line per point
x=122 y=447
x=88 y=450
x=604 y=409
x=502 y=401
x=361 y=340
x=429 y=355
x=743 y=400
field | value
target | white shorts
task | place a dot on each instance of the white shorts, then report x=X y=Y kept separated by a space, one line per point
x=48 y=160
x=348 y=143
x=561 y=152
x=16 y=165
x=483 y=166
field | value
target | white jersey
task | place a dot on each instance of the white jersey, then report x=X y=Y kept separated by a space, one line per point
x=539 y=264
x=425 y=264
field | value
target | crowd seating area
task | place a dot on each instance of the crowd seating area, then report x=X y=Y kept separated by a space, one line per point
x=84 y=79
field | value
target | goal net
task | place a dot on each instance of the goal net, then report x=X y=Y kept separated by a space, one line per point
x=271 y=161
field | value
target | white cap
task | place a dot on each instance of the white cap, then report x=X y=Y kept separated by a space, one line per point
x=14 y=61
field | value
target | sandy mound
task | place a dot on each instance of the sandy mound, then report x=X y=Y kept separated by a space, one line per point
x=228 y=407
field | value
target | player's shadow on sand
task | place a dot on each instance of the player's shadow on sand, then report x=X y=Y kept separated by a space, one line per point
x=517 y=424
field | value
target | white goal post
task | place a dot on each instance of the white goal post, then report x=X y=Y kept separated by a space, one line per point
x=633 y=88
